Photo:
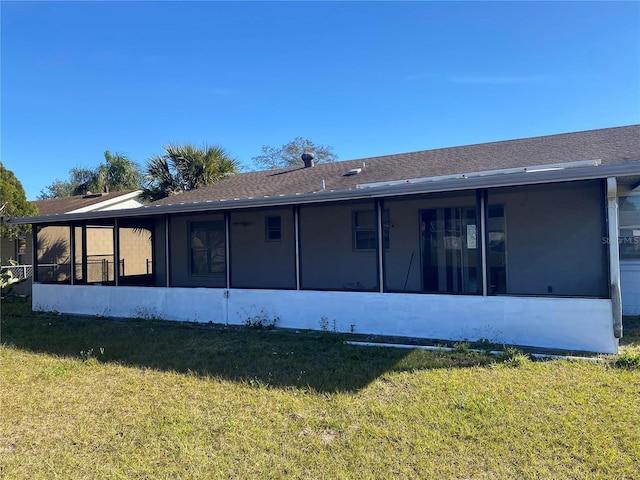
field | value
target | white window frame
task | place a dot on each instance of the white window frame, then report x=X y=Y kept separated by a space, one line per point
x=622 y=226
x=386 y=225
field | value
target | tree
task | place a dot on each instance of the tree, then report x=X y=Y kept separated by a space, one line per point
x=13 y=203
x=59 y=188
x=185 y=167
x=118 y=173
x=290 y=154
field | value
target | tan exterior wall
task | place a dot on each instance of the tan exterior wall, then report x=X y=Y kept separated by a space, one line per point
x=135 y=250
x=257 y=262
x=54 y=264
x=7 y=250
x=99 y=241
x=16 y=249
x=53 y=244
x=328 y=259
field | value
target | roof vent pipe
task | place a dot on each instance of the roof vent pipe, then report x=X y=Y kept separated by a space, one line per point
x=307 y=158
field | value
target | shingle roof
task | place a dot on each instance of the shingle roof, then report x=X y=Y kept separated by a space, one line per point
x=610 y=145
x=57 y=206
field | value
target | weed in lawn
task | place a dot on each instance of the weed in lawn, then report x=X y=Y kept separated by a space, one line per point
x=628 y=359
x=474 y=403
x=260 y=320
x=487 y=345
x=58 y=371
x=324 y=324
x=88 y=355
x=147 y=313
x=514 y=357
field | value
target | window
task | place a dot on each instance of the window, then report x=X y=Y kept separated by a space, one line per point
x=364 y=230
x=273 y=228
x=207 y=248
x=22 y=249
x=629 y=220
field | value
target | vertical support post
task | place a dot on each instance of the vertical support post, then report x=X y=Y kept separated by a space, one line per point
x=116 y=253
x=34 y=251
x=483 y=240
x=85 y=267
x=227 y=247
x=72 y=253
x=167 y=263
x=379 y=221
x=296 y=233
x=614 y=255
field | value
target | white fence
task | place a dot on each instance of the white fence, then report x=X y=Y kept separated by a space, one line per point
x=20 y=271
x=97 y=270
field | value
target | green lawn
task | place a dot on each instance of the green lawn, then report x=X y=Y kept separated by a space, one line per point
x=97 y=398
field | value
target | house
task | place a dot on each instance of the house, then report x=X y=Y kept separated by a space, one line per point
x=517 y=242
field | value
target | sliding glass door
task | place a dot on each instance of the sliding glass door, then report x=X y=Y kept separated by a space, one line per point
x=451 y=261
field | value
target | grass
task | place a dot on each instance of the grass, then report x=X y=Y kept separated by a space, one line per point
x=97 y=398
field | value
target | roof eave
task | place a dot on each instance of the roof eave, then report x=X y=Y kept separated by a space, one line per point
x=495 y=181
x=109 y=202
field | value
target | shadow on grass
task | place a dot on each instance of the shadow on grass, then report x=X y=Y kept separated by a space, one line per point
x=280 y=358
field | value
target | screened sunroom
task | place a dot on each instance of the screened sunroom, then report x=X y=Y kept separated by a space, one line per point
x=518 y=255
x=478 y=242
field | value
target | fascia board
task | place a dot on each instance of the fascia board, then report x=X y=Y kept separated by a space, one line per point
x=516 y=179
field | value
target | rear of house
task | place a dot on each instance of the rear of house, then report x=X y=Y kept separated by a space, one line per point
x=515 y=242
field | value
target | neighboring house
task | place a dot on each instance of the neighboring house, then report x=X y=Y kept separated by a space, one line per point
x=514 y=241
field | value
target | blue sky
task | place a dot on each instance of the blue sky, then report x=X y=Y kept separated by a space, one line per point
x=368 y=78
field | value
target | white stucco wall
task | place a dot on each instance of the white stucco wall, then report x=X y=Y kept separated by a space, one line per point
x=565 y=323
x=630 y=287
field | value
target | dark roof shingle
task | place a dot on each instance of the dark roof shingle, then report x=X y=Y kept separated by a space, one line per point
x=610 y=145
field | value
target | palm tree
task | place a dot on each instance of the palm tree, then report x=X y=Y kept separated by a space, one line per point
x=185 y=167
x=117 y=174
